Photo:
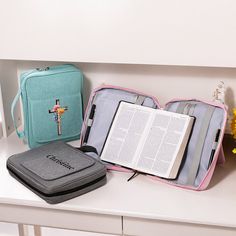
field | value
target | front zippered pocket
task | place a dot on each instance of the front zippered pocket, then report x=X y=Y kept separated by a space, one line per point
x=48 y=121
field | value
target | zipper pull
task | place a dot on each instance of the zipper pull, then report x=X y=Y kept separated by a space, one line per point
x=42 y=69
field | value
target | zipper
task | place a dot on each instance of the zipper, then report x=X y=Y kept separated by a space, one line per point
x=60 y=193
x=43 y=69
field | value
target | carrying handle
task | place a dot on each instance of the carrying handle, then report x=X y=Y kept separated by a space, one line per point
x=20 y=134
x=88 y=148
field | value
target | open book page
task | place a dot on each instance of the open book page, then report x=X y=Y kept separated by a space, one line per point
x=125 y=135
x=162 y=143
x=147 y=139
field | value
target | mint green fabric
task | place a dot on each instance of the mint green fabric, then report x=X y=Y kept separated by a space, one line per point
x=39 y=90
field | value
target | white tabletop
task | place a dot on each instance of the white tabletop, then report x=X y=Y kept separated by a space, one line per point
x=141 y=197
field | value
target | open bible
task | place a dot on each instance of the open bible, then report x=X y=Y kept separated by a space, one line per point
x=148 y=140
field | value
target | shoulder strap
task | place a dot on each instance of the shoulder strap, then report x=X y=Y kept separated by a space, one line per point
x=140 y=100
x=20 y=134
x=181 y=107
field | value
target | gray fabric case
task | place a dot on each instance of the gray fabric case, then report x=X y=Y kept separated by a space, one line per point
x=57 y=171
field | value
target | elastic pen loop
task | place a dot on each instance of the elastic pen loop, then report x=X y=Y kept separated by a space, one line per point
x=133 y=176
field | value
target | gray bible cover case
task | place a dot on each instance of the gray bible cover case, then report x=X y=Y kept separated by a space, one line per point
x=57 y=171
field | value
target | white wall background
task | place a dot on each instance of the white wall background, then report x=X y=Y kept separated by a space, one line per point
x=164 y=82
x=166 y=48
x=163 y=32
x=188 y=46
x=8 y=87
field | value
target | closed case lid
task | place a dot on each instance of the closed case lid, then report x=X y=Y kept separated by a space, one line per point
x=55 y=167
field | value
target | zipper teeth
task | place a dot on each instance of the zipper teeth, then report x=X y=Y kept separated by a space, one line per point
x=10 y=165
x=52 y=73
x=59 y=193
x=222 y=106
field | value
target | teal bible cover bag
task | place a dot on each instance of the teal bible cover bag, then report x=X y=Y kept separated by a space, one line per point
x=52 y=104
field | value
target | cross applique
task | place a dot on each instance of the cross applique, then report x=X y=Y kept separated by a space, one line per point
x=58 y=111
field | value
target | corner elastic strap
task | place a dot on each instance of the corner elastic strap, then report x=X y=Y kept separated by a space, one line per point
x=199 y=145
x=140 y=100
x=181 y=107
x=20 y=134
x=88 y=148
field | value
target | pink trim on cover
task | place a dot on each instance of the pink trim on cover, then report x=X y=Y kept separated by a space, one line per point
x=128 y=90
x=224 y=107
x=155 y=178
x=204 y=183
x=110 y=87
x=118 y=168
x=219 y=151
